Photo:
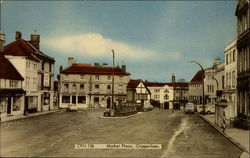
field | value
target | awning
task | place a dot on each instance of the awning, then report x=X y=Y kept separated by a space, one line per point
x=11 y=92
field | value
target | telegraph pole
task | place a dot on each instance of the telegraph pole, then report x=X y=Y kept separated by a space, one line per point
x=113 y=73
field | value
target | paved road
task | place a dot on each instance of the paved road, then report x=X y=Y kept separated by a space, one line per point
x=56 y=134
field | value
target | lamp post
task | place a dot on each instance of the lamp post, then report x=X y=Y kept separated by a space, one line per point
x=113 y=73
x=203 y=77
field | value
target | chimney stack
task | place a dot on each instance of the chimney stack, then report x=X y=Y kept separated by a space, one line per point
x=173 y=78
x=70 y=61
x=124 y=67
x=18 y=35
x=2 y=41
x=35 y=40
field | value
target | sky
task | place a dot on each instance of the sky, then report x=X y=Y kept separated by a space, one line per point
x=153 y=38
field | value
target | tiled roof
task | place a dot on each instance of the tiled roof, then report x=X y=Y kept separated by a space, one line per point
x=198 y=77
x=133 y=83
x=76 y=69
x=7 y=70
x=154 y=84
x=178 y=84
x=24 y=48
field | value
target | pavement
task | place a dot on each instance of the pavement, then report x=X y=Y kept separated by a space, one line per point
x=239 y=137
x=18 y=117
x=57 y=134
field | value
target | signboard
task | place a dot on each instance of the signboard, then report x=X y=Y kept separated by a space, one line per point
x=46 y=80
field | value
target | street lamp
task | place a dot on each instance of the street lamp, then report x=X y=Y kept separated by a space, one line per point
x=203 y=77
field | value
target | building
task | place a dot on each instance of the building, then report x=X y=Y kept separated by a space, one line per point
x=243 y=60
x=36 y=68
x=180 y=94
x=156 y=89
x=90 y=86
x=195 y=88
x=137 y=93
x=11 y=89
x=230 y=77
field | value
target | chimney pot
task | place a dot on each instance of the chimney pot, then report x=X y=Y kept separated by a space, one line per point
x=70 y=61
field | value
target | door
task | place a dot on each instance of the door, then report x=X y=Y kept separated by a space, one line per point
x=96 y=101
x=9 y=106
x=73 y=99
x=108 y=102
x=166 y=105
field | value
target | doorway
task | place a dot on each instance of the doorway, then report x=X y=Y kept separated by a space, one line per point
x=9 y=106
x=73 y=99
x=166 y=105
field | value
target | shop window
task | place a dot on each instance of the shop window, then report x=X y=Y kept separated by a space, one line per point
x=65 y=99
x=16 y=103
x=82 y=99
x=97 y=86
x=3 y=104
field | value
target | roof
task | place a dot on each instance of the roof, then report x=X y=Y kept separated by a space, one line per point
x=198 y=77
x=154 y=84
x=178 y=84
x=24 y=48
x=133 y=83
x=98 y=70
x=8 y=71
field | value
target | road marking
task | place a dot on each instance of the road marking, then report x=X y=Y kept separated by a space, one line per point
x=42 y=150
x=182 y=128
x=59 y=140
x=52 y=144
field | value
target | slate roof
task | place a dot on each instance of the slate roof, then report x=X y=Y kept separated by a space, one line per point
x=154 y=84
x=7 y=70
x=198 y=77
x=97 y=70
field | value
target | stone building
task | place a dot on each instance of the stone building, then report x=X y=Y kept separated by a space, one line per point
x=90 y=86
x=243 y=60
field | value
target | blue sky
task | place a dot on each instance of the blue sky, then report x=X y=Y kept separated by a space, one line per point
x=153 y=38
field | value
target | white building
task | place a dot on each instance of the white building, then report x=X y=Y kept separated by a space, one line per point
x=195 y=88
x=37 y=70
x=230 y=73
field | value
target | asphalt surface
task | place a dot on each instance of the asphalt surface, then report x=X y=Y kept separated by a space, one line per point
x=56 y=134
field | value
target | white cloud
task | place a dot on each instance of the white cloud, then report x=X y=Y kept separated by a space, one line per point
x=94 y=44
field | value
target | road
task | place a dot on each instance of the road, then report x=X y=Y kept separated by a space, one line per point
x=55 y=135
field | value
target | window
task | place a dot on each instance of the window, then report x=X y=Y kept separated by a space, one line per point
x=96 y=77
x=120 y=89
x=227 y=59
x=157 y=90
x=42 y=65
x=108 y=89
x=96 y=86
x=82 y=87
x=223 y=82
x=166 y=97
x=13 y=83
x=65 y=99
x=74 y=87
x=108 y=78
x=27 y=81
x=66 y=87
x=82 y=99
x=82 y=76
x=233 y=55
x=120 y=78
x=34 y=81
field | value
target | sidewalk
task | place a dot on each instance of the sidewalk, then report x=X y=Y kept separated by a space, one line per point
x=17 y=117
x=237 y=136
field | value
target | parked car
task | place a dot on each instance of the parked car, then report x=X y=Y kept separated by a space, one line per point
x=189 y=108
x=209 y=109
x=71 y=108
x=148 y=107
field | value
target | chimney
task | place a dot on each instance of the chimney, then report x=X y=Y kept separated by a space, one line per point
x=96 y=64
x=173 y=78
x=70 y=61
x=18 y=35
x=124 y=68
x=35 y=40
x=2 y=41
x=104 y=65
x=217 y=61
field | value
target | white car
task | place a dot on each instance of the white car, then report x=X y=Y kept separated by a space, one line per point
x=71 y=108
x=209 y=109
